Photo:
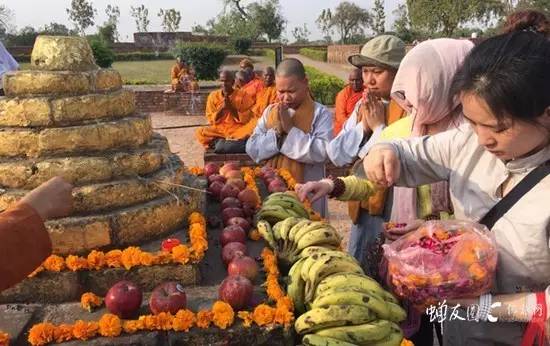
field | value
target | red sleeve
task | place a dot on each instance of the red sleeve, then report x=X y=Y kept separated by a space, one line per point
x=24 y=244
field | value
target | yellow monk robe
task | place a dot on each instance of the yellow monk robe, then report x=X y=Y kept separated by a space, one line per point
x=175 y=75
x=227 y=126
x=375 y=203
x=302 y=119
x=265 y=97
x=344 y=105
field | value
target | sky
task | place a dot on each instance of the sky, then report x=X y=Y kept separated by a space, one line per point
x=38 y=13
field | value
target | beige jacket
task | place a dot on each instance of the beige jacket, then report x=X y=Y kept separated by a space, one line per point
x=522 y=234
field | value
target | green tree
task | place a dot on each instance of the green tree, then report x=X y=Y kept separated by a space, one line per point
x=113 y=15
x=541 y=5
x=350 y=20
x=379 y=17
x=170 y=19
x=57 y=29
x=141 y=17
x=82 y=14
x=268 y=18
x=324 y=23
x=301 y=34
x=6 y=16
x=107 y=33
x=402 y=24
x=445 y=16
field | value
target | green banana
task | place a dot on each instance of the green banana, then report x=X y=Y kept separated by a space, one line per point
x=349 y=297
x=324 y=268
x=311 y=250
x=290 y=203
x=359 y=334
x=308 y=263
x=298 y=226
x=295 y=288
x=299 y=232
x=317 y=340
x=318 y=236
x=276 y=229
x=354 y=280
x=279 y=195
x=272 y=214
x=394 y=338
x=397 y=313
x=332 y=316
x=265 y=230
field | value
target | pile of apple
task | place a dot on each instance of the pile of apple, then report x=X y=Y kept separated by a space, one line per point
x=272 y=180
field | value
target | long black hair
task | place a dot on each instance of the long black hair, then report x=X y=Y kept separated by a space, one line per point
x=511 y=72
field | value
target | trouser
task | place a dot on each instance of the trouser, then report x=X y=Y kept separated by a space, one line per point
x=425 y=335
x=363 y=235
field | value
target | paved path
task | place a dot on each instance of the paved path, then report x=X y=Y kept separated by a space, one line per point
x=339 y=70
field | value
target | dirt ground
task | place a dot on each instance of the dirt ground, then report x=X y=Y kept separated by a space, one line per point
x=182 y=142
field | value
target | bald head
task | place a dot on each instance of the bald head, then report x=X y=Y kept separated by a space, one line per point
x=227 y=78
x=241 y=78
x=291 y=67
x=355 y=80
x=269 y=76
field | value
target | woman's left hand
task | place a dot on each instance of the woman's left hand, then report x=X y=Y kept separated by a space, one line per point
x=397 y=232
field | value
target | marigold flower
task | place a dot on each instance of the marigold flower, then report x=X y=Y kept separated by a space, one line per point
x=132 y=326
x=149 y=322
x=83 y=330
x=4 y=339
x=96 y=260
x=285 y=303
x=246 y=317
x=162 y=258
x=197 y=217
x=146 y=259
x=90 y=301
x=406 y=342
x=41 y=334
x=62 y=333
x=113 y=258
x=164 y=321
x=223 y=314
x=75 y=263
x=180 y=254
x=110 y=325
x=283 y=316
x=204 y=318
x=196 y=170
x=263 y=314
x=54 y=263
x=183 y=321
x=131 y=257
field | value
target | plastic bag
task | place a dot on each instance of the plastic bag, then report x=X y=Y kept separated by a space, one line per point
x=442 y=260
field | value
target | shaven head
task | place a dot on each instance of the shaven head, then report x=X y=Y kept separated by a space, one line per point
x=227 y=78
x=269 y=76
x=241 y=78
x=291 y=82
x=355 y=79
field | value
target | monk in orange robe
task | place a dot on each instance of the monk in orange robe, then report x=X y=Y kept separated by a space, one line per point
x=24 y=240
x=228 y=111
x=347 y=98
x=268 y=94
x=177 y=74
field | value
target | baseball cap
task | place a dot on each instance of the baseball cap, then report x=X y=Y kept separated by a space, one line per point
x=385 y=50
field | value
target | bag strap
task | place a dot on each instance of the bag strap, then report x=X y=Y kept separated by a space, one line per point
x=522 y=188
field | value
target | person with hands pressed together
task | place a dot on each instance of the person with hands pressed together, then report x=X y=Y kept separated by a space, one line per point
x=501 y=154
x=294 y=132
x=24 y=240
x=228 y=112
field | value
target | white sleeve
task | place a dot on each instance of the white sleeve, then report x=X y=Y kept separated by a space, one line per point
x=310 y=147
x=262 y=145
x=343 y=149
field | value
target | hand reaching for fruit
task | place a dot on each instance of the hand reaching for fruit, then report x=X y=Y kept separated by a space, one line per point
x=318 y=189
x=394 y=231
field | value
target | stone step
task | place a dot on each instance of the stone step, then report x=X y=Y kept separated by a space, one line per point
x=90 y=199
x=65 y=111
x=28 y=83
x=79 y=170
x=130 y=132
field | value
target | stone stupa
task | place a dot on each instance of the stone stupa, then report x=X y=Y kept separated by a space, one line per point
x=65 y=116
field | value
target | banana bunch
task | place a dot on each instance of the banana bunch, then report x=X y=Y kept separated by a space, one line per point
x=279 y=206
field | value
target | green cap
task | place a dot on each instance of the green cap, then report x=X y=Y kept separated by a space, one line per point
x=383 y=50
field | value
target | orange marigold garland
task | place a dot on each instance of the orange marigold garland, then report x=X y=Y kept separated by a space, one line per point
x=90 y=301
x=183 y=321
x=96 y=260
x=83 y=330
x=222 y=314
x=63 y=332
x=4 y=339
x=110 y=325
x=76 y=263
x=132 y=326
x=246 y=316
x=54 y=263
x=204 y=318
x=196 y=170
x=41 y=334
x=263 y=315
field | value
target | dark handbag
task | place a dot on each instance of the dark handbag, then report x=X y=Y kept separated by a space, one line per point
x=226 y=146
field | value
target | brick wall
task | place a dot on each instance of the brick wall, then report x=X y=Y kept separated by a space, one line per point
x=289 y=49
x=179 y=103
x=339 y=54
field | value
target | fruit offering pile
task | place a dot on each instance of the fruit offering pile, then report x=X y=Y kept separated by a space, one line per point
x=442 y=260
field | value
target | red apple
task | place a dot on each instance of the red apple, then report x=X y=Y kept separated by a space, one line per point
x=231 y=202
x=229 y=213
x=238 y=182
x=248 y=196
x=229 y=166
x=277 y=185
x=239 y=221
x=244 y=266
x=123 y=299
x=216 y=177
x=211 y=168
x=229 y=190
x=216 y=188
x=168 y=297
x=231 y=249
x=236 y=291
x=231 y=234
x=168 y=244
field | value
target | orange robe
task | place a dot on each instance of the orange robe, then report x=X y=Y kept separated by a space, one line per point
x=24 y=243
x=265 y=97
x=345 y=103
x=227 y=126
x=175 y=75
x=253 y=87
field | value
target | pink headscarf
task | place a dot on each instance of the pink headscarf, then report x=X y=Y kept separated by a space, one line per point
x=424 y=78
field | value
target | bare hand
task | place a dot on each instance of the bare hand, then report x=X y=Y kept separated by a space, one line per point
x=285 y=118
x=382 y=165
x=51 y=199
x=376 y=114
x=318 y=189
x=395 y=233
x=363 y=115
